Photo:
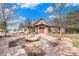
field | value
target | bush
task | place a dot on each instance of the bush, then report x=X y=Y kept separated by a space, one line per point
x=72 y=30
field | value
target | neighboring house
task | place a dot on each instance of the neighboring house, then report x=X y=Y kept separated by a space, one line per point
x=40 y=26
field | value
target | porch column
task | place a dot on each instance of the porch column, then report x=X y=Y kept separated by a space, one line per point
x=38 y=29
x=23 y=29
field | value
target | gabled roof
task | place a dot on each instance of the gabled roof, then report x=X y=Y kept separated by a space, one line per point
x=40 y=21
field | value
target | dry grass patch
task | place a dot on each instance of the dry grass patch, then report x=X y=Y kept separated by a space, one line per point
x=73 y=37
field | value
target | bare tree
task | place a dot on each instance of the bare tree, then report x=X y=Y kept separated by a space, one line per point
x=59 y=6
x=6 y=13
x=28 y=21
x=25 y=24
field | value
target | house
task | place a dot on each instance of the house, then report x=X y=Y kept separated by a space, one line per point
x=40 y=26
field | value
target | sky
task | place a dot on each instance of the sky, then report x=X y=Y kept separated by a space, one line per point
x=35 y=11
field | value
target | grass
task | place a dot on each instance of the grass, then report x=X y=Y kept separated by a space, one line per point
x=73 y=37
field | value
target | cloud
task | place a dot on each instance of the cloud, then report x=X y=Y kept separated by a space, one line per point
x=12 y=24
x=15 y=21
x=12 y=21
x=14 y=7
x=71 y=4
x=49 y=9
x=53 y=16
x=21 y=17
x=28 y=5
x=7 y=10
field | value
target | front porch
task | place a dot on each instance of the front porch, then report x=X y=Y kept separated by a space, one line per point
x=41 y=29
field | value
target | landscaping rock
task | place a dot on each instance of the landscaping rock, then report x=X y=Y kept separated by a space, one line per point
x=47 y=37
x=34 y=51
x=37 y=45
x=21 y=52
x=31 y=39
x=16 y=51
x=3 y=46
x=66 y=42
x=65 y=47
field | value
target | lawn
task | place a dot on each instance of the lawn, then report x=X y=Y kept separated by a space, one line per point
x=74 y=37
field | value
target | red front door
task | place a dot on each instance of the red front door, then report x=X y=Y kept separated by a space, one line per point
x=41 y=29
